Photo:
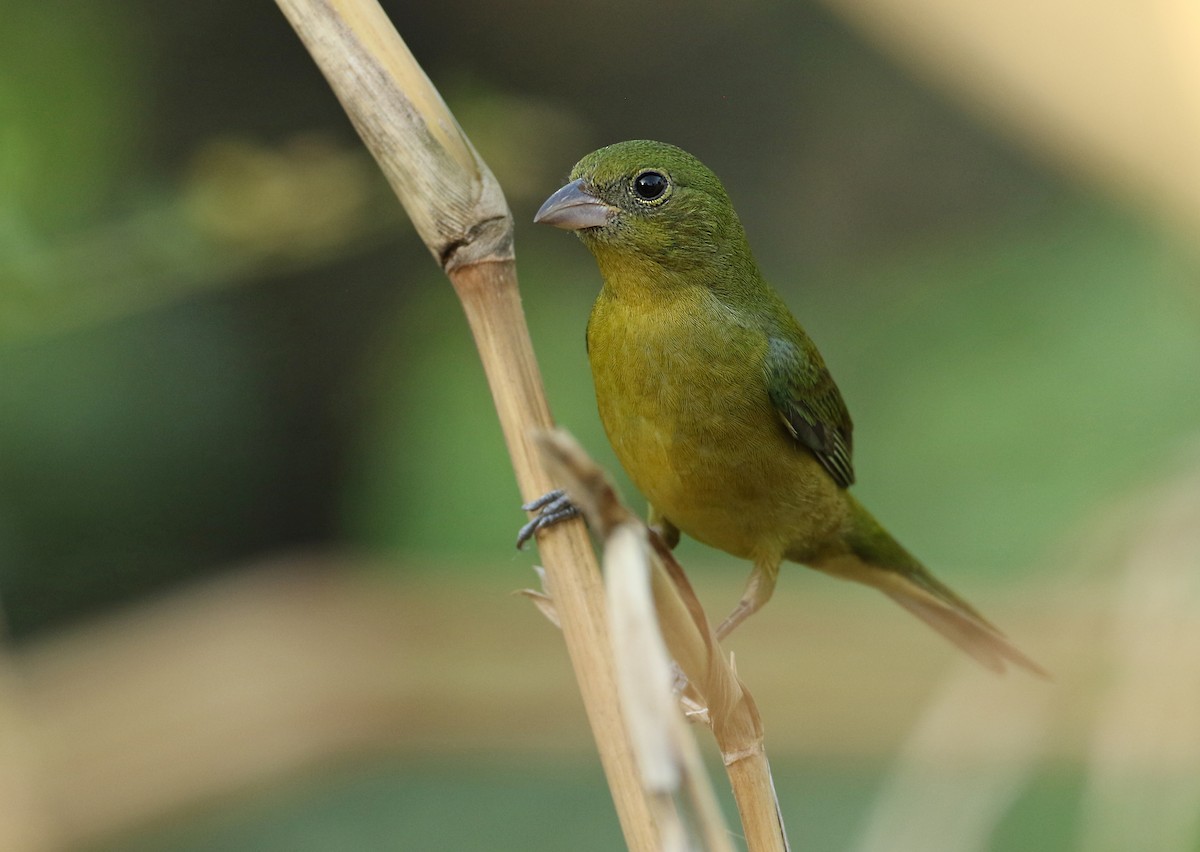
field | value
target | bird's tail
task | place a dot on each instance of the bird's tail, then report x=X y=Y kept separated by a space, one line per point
x=877 y=559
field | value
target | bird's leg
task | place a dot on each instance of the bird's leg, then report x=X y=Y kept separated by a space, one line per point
x=666 y=530
x=552 y=508
x=759 y=587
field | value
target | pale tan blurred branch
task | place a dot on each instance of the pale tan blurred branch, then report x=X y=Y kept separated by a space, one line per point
x=1130 y=684
x=26 y=823
x=1110 y=91
x=276 y=669
x=1143 y=780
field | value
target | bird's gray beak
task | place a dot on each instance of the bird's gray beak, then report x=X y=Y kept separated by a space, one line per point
x=573 y=208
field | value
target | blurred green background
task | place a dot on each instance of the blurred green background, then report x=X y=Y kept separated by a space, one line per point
x=220 y=339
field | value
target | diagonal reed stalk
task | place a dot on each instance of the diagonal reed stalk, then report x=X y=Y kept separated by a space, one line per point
x=459 y=211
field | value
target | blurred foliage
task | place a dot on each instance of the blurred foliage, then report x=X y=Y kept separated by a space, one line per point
x=220 y=339
x=71 y=84
x=213 y=344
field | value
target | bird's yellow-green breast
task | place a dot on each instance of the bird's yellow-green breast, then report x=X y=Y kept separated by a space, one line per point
x=681 y=390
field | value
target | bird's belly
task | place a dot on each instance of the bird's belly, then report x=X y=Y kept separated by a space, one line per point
x=718 y=490
x=704 y=445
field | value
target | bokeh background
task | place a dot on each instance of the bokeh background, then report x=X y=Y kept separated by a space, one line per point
x=256 y=517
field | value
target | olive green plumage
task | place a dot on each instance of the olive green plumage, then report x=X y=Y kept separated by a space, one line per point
x=717 y=403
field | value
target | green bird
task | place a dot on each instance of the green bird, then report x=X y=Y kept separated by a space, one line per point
x=717 y=403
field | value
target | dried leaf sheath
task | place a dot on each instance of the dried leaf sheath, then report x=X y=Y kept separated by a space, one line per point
x=712 y=685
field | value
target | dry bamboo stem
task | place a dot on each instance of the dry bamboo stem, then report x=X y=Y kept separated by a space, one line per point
x=459 y=211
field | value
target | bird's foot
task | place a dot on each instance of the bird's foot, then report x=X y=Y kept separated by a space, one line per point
x=552 y=508
x=759 y=587
x=740 y=613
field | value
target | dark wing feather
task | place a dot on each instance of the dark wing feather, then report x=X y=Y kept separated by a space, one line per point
x=811 y=405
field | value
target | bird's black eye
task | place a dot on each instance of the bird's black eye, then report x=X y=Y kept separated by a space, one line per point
x=650 y=186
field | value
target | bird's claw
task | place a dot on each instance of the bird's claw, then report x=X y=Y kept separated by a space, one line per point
x=552 y=507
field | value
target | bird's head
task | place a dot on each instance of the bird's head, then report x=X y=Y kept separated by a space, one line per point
x=650 y=202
